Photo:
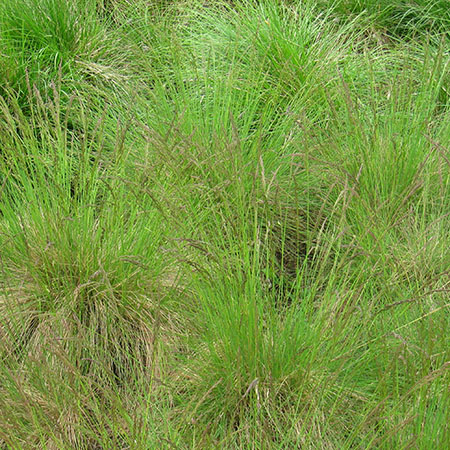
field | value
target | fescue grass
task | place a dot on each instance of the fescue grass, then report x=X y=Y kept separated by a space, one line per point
x=224 y=225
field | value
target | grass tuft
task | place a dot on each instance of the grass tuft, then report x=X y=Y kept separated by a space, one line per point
x=224 y=225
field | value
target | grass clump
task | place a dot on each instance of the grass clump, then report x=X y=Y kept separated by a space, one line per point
x=223 y=226
x=397 y=20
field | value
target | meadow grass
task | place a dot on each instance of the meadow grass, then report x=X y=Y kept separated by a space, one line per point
x=224 y=225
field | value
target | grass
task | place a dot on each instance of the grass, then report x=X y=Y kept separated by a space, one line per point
x=224 y=225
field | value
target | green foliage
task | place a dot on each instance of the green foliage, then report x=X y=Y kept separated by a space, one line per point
x=400 y=18
x=224 y=225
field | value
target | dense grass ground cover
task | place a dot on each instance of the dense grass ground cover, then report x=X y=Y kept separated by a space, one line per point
x=224 y=224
